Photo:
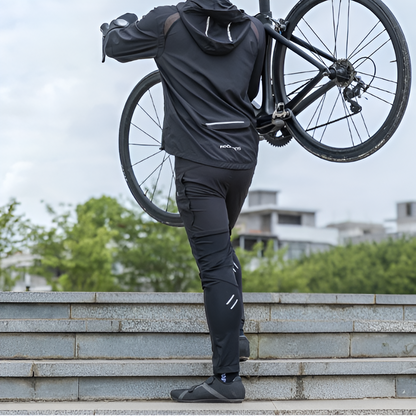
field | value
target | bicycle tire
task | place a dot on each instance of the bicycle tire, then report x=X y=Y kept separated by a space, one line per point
x=151 y=182
x=381 y=59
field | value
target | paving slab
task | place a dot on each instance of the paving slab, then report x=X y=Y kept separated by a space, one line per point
x=333 y=312
x=306 y=327
x=396 y=299
x=296 y=407
x=47 y=297
x=143 y=346
x=25 y=310
x=303 y=345
x=37 y=346
x=383 y=345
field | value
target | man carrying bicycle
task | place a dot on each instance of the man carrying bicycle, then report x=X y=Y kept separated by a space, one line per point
x=210 y=57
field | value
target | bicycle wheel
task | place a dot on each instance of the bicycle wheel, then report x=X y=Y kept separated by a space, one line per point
x=353 y=115
x=148 y=169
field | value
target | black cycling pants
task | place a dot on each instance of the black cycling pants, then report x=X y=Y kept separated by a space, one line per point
x=209 y=201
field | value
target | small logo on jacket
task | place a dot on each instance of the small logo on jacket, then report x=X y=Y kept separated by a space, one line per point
x=227 y=146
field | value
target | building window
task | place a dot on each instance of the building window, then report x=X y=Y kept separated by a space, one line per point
x=409 y=209
x=266 y=223
x=248 y=243
x=288 y=219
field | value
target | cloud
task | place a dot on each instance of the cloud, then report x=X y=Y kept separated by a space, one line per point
x=60 y=109
x=16 y=178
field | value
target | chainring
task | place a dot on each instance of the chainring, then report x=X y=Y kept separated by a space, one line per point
x=278 y=141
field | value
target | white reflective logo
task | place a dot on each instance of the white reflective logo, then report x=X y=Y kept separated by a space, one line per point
x=227 y=146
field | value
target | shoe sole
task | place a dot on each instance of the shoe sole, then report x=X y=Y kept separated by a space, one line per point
x=210 y=401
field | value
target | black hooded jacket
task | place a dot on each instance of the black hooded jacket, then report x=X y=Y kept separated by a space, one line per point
x=210 y=55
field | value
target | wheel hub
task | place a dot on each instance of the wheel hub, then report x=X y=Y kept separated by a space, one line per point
x=343 y=73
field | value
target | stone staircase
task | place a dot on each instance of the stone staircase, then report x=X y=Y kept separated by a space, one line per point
x=138 y=346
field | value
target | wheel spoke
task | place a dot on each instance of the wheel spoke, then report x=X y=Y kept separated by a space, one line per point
x=364 y=39
x=365 y=125
x=144 y=145
x=380 y=78
x=158 y=176
x=300 y=73
x=315 y=53
x=361 y=48
x=147 y=158
x=318 y=108
x=154 y=107
x=382 y=90
x=379 y=48
x=379 y=98
x=329 y=119
x=157 y=167
x=336 y=26
x=348 y=27
x=147 y=134
x=148 y=115
x=304 y=83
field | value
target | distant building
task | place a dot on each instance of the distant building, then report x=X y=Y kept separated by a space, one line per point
x=265 y=220
x=359 y=232
x=20 y=262
x=406 y=217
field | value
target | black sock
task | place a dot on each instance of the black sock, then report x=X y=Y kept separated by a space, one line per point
x=226 y=378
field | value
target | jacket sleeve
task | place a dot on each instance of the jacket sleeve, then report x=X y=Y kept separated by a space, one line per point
x=138 y=39
x=253 y=89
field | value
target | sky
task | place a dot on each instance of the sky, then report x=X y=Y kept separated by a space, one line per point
x=60 y=109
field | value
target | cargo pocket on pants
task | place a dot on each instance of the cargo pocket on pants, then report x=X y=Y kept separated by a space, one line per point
x=183 y=202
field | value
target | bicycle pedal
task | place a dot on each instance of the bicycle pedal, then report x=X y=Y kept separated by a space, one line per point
x=280 y=114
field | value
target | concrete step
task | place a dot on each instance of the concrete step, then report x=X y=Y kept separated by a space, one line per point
x=195 y=326
x=130 y=346
x=153 y=379
x=299 y=407
x=108 y=345
x=260 y=307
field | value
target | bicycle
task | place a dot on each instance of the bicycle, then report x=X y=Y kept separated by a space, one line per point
x=336 y=78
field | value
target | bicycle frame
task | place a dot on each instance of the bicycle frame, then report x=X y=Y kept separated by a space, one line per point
x=303 y=98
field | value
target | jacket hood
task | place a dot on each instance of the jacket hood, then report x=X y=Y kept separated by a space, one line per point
x=217 y=26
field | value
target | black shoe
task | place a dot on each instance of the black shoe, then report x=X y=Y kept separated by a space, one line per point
x=244 y=348
x=211 y=391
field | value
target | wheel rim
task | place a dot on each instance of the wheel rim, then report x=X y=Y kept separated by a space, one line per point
x=148 y=169
x=347 y=121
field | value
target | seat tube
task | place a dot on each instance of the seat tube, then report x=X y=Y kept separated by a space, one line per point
x=264 y=6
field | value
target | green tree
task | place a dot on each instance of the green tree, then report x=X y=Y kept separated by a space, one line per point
x=161 y=259
x=262 y=268
x=76 y=253
x=388 y=267
x=13 y=234
x=107 y=246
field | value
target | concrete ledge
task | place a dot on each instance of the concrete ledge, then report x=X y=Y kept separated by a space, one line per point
x=16 y=368
x=158 y=388
x=197 y=298
x=182 y=326
x=47 y=297
x=131 y=346
x=167 y=407
x=203 y=368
